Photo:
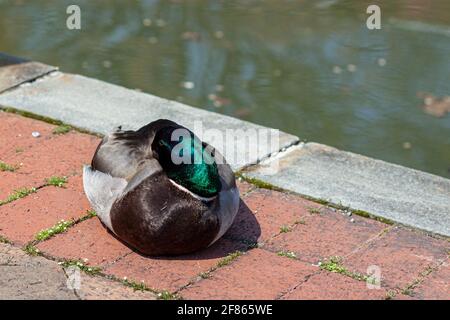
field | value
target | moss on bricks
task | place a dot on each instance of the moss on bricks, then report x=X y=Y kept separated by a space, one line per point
x=229 y=258
x=166 y=295
x=18 y=194
x=91 y=270
x=60 y=227
x=31 y=250
x=285 y=229
x=390 y=294
x=313 y=210
x=46 y=119
x=136 y=286
x=140 y=286
x=62 y=129
x=408 y=290
x=287 y=254
x=366 y=214
x=4 y=240
x=205 y=275
x=90 y=214
x=258 y=183
x=334 y=264
x=56 y=181
x=7 y=167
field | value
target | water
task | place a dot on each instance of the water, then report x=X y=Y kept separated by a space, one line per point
x=310 y=68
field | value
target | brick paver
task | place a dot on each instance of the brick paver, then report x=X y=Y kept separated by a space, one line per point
x=171 y=273
x=402 y=255
x=265 y=212
x=21 y=220
x=257 y=275
x=325 y=234
x=437 y=285
x=333 y=286
x=413 y=265
x=95 y=245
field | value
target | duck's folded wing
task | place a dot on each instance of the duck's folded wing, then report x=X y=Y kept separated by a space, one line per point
x=102 y=190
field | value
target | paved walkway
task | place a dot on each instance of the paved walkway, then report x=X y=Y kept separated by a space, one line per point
x=281 y=246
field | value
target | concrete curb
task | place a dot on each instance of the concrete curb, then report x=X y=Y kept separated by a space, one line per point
x=390 y=191
x=400 y=194
x=100 y=107
x=15 y=71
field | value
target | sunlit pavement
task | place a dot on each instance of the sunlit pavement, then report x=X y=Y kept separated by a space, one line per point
x=281 y=245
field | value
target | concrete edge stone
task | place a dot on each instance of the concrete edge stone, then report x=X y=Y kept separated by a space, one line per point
x=99 y=107
x=15 y=71
x=390 y=191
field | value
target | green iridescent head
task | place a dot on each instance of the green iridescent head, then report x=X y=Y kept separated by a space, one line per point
x=185 y=160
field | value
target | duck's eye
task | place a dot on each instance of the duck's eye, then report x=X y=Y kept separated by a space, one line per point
x=161 y=143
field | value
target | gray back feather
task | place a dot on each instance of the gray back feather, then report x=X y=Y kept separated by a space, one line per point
x=102 y=190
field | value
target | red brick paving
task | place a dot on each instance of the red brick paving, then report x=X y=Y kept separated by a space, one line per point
x=259 y=274
x=21 y=220
x=11 y=181
x=272 y=210
x=171 y=273
x=244 y=187
x=333 y=286
x=58 y=155
x=15 y=134
x=436 y=286
x=93 y=242
x=403 y=255
x=327 y=234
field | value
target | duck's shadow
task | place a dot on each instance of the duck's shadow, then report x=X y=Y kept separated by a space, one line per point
x=244 y=232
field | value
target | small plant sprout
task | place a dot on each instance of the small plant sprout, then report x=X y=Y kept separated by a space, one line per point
x=204 y=275
x=31 y=250
x=287 y=254
x=91 y=214
x=62 y=129
x=4 y=240
x=284 y=229
x=166 y=295
x=56 y=181
x=80 y=265
x=18 y=194
x=135 y=285
x=313 y=210
x=60 y=227
x=390 y=294
x=334 y=264
x=229 y=258
x=7 y=167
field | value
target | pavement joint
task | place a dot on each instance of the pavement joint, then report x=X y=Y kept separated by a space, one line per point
x=421 y=278
x=228 y=260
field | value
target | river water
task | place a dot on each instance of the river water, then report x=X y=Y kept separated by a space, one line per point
x=311 y=68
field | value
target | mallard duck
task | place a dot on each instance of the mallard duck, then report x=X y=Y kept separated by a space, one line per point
x=153 y=204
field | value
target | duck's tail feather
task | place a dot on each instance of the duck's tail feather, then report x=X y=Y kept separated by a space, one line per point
x=102 y=190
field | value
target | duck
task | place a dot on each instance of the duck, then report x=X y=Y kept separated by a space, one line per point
x=160 y=189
